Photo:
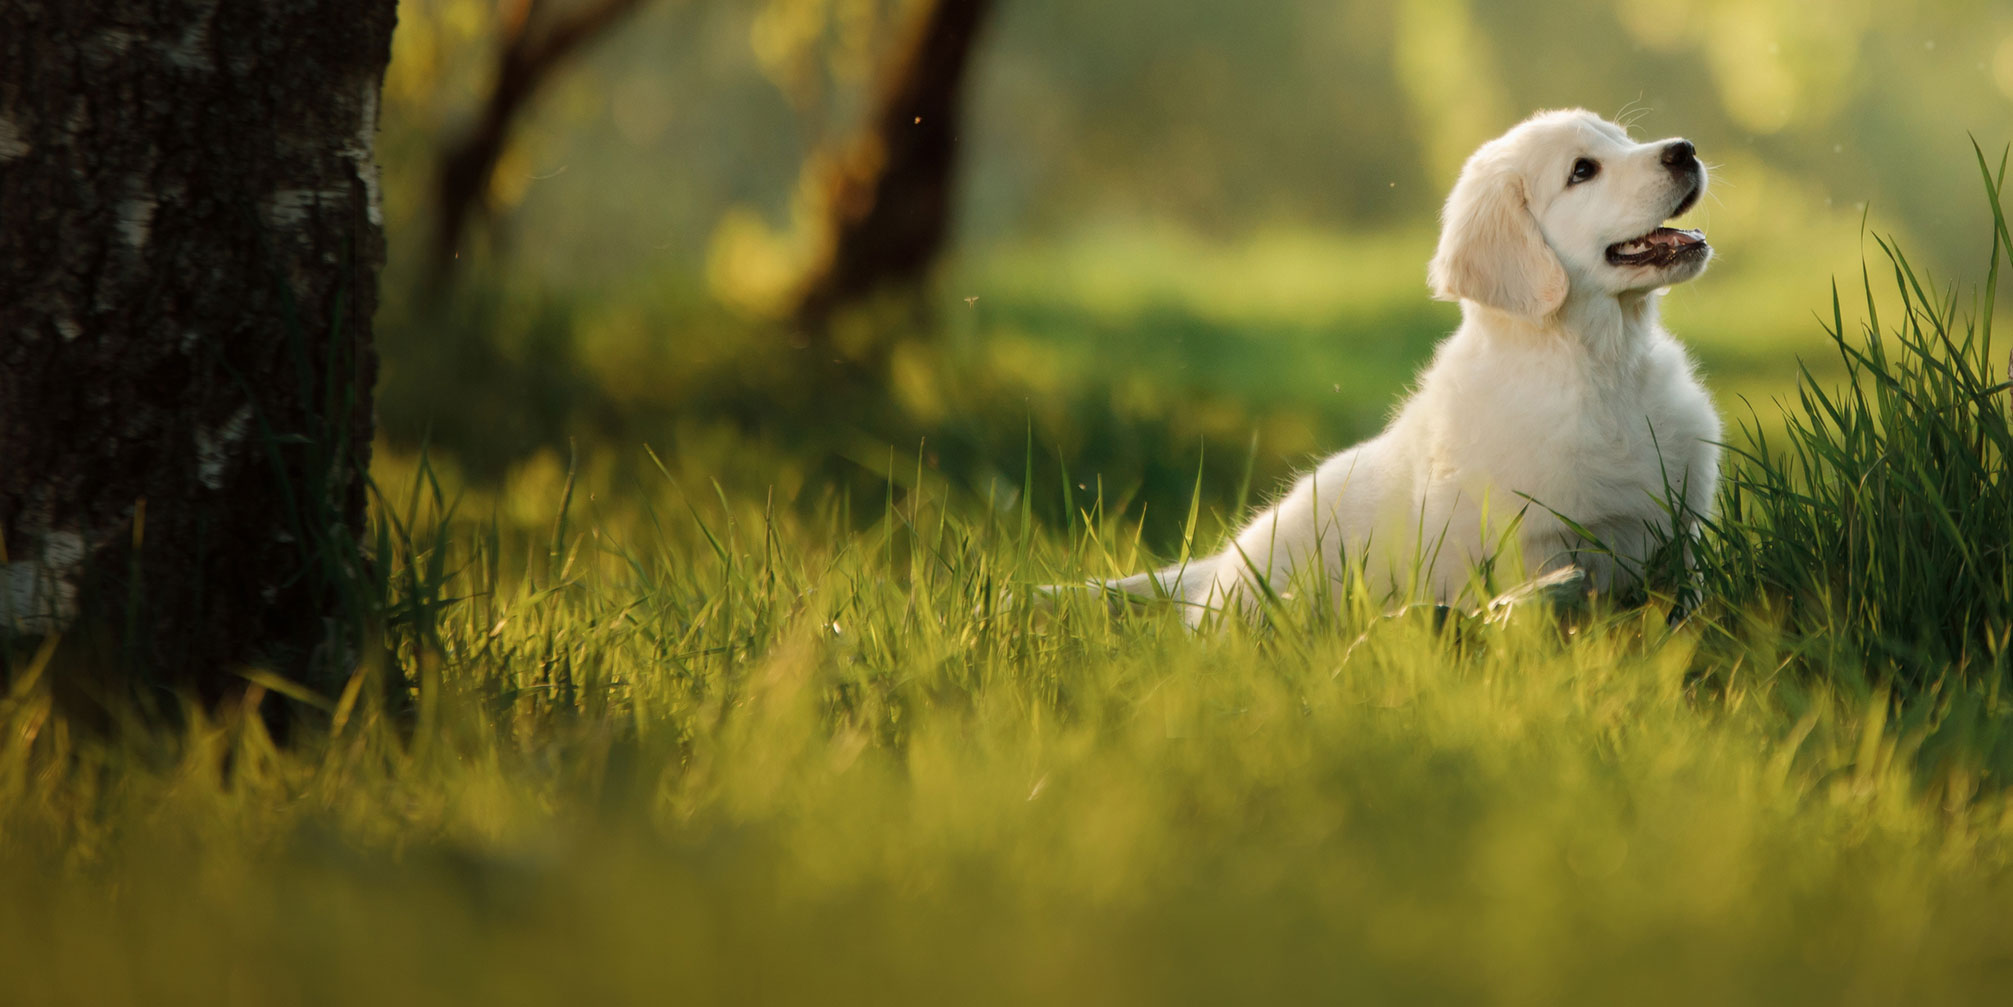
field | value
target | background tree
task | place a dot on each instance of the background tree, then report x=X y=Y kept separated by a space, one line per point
x=886 y=194
x=190 y=238
x=536 y=41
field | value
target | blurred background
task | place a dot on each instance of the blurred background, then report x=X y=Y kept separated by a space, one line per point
x=1184 y=242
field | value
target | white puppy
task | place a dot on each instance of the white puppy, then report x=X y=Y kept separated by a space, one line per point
x=1559 y=402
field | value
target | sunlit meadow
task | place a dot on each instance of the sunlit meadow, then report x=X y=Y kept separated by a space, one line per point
x=681 y=680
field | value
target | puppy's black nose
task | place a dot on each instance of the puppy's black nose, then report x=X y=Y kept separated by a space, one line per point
x=1680 y=155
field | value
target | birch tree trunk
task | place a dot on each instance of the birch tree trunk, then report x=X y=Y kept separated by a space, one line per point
x=189 y=246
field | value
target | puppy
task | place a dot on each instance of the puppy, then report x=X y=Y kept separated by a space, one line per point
x=1560 y=425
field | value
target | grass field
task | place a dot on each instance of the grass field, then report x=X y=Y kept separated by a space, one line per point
x=667 y=742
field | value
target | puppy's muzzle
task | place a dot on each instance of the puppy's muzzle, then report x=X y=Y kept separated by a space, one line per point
x=1668 y=246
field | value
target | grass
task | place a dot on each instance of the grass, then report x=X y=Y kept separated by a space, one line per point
x=686 y=744
x=1884 y=521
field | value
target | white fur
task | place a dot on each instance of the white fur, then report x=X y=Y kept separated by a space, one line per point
x=1560 y=387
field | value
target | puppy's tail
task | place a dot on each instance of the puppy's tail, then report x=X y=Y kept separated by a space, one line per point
x=1189 y=584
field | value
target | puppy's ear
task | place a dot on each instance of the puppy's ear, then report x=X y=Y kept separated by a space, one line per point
x=1491 y=250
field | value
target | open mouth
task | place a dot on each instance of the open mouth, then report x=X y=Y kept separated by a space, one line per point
x=1662 y=247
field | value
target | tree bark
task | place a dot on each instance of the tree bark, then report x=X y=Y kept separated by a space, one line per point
x=190 y=239
x=887 y=196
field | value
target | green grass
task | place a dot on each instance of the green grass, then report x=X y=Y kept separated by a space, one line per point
x=677 y=743
x=1883 y=523
x=757 y=757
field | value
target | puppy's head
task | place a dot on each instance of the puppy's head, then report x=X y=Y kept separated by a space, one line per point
x=1566 y=205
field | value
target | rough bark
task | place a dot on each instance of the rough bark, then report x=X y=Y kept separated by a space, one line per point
x=189 y=246
x=887 y=195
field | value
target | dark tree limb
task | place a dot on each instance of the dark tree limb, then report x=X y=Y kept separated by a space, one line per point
x=532 y=52
x=887 y=195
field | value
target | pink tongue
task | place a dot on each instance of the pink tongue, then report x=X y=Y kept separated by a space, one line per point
x=1673 y=238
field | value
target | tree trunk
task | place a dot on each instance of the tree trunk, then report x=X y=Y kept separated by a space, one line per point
x=887 y=196
x=190 y=240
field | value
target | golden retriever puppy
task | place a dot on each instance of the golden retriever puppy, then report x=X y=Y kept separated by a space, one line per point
x=1559 y=425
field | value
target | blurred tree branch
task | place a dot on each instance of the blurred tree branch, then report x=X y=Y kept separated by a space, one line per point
x=886 y=194
x=537 y=41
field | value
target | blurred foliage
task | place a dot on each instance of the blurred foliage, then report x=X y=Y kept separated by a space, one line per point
x=1190 y=234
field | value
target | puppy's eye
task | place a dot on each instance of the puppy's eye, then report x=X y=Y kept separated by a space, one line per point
x=1583 y=169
